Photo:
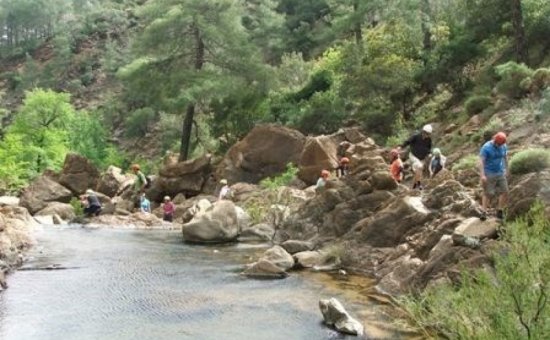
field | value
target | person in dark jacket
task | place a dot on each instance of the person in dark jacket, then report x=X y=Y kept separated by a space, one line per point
x=420 y=145
x=93 y=206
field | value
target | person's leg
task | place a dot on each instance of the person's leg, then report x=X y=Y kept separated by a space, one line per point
x=488 y=192
x=502 y=189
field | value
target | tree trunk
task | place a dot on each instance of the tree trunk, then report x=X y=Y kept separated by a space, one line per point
x=190 y=112
x=426 y=15
x=357 y=25
x=519 y=32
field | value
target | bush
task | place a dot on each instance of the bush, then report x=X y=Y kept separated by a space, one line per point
x=283 y=179
x=77 y=206
x=477 y=104
x=540 y=80
x=467 y=163
x=511 y=75
x=530 y=160
x=508 y=301
x=137 y=124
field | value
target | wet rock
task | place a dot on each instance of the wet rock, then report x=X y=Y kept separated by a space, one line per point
x=41 y=191
x=264 y=269
x=78 y=174
x=62 y=210
x=296 y=246
x=308 y=259
x=279 y=257
x=264 y=152
x=334 y=314
x=217 y=224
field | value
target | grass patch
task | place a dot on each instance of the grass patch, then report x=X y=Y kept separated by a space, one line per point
x=530 y=160
x=467 y=163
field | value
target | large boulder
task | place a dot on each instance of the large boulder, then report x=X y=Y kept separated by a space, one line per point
x=279 y=257
x=15 y=226
x=474 y=227
x=78 y=174
x=63 y=210
x=319 y=153
x=218 y=224
x=264 y=152
x=390 y=226
x=188 y=177
x=336 y=315
x=41 y=191
x=531 y=187
x=309 y=259
x=113 y=181
x=296 y=246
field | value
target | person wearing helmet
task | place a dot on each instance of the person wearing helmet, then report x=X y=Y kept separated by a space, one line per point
x=168 y=209
x=322 y=181
x=92 y=206
x=343 y=167
x=420 y=145
x=225 y=191
x=396 y=166
x=437 y=162
x=493 y=164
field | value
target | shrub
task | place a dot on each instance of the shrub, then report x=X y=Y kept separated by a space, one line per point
x=283 y=179
x=467 y=163
x=530 y=160
x=511 y=75
x=77 y=206
x=476 y=104
x=509 y=302
x=540 y=80
x=137 y=124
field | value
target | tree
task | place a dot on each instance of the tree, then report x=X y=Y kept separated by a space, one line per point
x=191 y=52
x=520 y=42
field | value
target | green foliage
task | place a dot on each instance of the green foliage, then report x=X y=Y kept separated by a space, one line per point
x=283 y=179
x=77 y=206
x=540 y=80
x=469 y=162
x=511 y=77
x=476 y=104
x=509 y=302
x=139 y=121
x=530 y=160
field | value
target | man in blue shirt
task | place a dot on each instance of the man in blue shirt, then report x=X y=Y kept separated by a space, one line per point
x=493 y=166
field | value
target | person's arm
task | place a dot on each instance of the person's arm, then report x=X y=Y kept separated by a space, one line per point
x=443 y=161
x=482 y=167
x=506 y=163
x=409 y=141
x=430 y=168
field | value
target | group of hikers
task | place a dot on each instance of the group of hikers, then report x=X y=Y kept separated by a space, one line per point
x=493 y=166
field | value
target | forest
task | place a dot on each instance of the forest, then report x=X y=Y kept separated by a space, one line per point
x=197 y=75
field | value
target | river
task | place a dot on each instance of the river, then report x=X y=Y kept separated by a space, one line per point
x=81 y=283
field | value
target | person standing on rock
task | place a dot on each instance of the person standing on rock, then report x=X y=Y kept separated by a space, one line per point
x=322 y=181
x=140 y=182
x=342 y=149
x=93 y=206
x=396 y=166
x=493 y=165
x=420 y=145
x=437 y=162
x=168 y=209
x=343 y=167
x=225 y=191
x=144 y=204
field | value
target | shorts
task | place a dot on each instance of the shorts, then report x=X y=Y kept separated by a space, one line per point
x=495 y=185
x=416 y=164
x=168 y=217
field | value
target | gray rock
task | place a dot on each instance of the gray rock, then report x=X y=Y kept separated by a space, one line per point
x=308 y=259
x=278 y=256
x=335 y=315
x=296 y=246
x=63 y=210
x=474 y=227
x=218 y=224
x=264 y=269
x=41 y=191
x=259 y=232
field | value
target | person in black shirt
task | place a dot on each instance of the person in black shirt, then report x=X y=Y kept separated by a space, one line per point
x=93 y=206
x=420 y=145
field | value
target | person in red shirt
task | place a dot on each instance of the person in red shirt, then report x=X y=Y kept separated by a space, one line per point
x=396 y=167
x=168 y=209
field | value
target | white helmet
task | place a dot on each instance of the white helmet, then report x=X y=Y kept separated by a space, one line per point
x=427 y=128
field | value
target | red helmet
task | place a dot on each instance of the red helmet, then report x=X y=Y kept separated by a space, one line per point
x=500 y=138
x=394 y=153
x=344 y=160
x=325 y=173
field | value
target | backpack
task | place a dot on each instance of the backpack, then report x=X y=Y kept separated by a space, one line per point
x=148 y=181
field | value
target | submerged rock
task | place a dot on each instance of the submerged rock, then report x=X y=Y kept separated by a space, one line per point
x=336 y=315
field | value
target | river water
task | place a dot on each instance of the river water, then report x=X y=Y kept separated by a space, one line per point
x=132 y=284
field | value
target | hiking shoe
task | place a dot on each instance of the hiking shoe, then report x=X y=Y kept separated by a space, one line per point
x=500 y=214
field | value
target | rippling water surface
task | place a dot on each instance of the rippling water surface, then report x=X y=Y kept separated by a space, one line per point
x=123 y=284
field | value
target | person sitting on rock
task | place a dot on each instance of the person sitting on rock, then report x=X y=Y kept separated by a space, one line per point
x=168 y=209
x=437 y=162
x=420 y=145
x=225 y=191
x=396 y=166
x=144 y=204
x=343 y=168
x=322 y=181
x=92 y=205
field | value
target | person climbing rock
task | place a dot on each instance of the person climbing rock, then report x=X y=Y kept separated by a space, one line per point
x=493 y=170
x=420 y=145
x=168 y=209
x=343 y=167
x=144 y=204
x=322 y=181
x=92 y=205
x=396 y=166
x=140 y=182
x=343 y=147
x=437 y=162
x=225 y=191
